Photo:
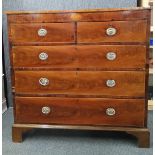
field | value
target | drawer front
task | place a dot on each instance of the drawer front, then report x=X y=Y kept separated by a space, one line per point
x=45 y=56
x=52 y=82
x=88 y=56
x=112 y=56
x=112 y=83
x=42 y=32
x=108 y=83
x=116 y=31
x=90 y=111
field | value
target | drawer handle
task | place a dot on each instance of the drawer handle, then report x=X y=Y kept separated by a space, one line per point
x=110 y=111
x=111 y=56
x=46 y=110
x=110 y=83
x=111 y=31
x=42 y=32
x=43 y=81
x=43 y=56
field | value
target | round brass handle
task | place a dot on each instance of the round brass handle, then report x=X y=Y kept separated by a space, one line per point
x=46 y=110
x=42 y=32
x=43 y=81
x=111 y=56
x=43 y=56
x=110 y=111
x=110 y=83
x=111 y=31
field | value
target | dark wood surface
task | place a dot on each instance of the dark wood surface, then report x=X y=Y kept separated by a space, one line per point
x=127 y=31
x=78 y=16
x=58 y=56
x=56 y=32
x=142 y=134
x=80 y=111
x=127 y=56
x=80 y=127
x=81 y=83
x=147 y=68
x=89 y=56
x=77 y=68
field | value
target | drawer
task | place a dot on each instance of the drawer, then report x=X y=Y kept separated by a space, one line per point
x=42 y=32
x=113 y=31
x=52 y=82
x=45 y=56
x=112 y=83
x=112 y=56
x=106 y=83
x=86 y=56
x=87 y=111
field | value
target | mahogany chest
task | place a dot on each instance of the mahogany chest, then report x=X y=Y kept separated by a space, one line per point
x=83 y=69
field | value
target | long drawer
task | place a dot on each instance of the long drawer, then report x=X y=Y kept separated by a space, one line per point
x=42 y=32
x=82 y=111
x=108 y=83
x=88 y=56
x=113 y=31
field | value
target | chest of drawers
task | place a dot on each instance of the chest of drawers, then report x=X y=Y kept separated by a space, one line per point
x=85 y=69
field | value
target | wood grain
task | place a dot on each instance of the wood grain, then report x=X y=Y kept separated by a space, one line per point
x=59 y=82
x=56 y=32
x=128 y=83
x=88 y=56
x=77 y=69
x=58 y=56
x=80 y=10
x=80 y=111
x=127 y=31
x=127 y=56
x=81 y=83
x=78 y=16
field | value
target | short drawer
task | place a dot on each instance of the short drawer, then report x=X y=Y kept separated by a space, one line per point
x=87 y=111
x=86 y=56
x=51 y=82
x=113 y=31
x=45 y=56
x=42 y=32
x=112 y=56
x=106 y=83
x=112 y=83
